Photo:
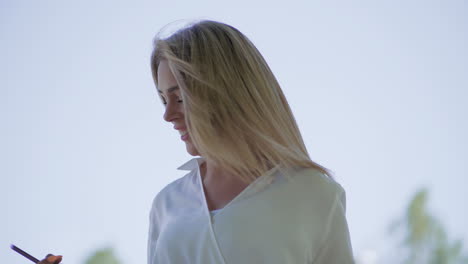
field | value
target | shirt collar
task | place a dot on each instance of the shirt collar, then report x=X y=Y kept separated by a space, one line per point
x=266 y=179
x=191 y=164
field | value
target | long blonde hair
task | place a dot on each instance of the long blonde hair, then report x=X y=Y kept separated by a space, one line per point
x=235 y=111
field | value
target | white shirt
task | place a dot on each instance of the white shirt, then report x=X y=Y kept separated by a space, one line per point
x=281 y=222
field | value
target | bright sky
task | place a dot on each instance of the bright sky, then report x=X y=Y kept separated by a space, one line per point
x=379 y=90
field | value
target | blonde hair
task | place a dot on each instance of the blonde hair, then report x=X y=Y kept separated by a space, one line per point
x=235 y=111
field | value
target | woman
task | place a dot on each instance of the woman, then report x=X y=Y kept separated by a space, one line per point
x=254 y=195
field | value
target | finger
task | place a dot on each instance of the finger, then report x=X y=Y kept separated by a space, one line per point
x=58 y=260
x=46 y=260
x=53 y=259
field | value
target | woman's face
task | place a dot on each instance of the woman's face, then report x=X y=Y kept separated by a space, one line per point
x=172 y=99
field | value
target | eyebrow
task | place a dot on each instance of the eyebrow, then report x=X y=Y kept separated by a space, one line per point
x=171 y=89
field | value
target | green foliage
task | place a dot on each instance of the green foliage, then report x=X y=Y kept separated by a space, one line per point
x=103 y=256
x=425 y=239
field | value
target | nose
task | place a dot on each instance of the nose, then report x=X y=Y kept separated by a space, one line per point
x=172 y=112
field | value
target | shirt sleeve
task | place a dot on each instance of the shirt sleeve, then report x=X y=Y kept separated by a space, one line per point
x=336 y=247
x=153 y=232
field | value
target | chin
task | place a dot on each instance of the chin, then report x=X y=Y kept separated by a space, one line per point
x=192 y=150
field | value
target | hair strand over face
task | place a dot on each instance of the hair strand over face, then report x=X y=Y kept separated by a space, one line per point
x=235 y=110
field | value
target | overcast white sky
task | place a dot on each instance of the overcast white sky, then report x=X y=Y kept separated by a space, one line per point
x=379 y=90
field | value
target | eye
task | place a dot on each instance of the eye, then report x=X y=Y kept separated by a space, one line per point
x=179 y=101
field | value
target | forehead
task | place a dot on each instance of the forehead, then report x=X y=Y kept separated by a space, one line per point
x=166 y=80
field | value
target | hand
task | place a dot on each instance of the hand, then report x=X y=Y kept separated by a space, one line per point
x=51 y=259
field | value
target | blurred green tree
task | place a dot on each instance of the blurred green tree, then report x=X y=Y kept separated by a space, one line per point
x=425 y=239
x=103 y=256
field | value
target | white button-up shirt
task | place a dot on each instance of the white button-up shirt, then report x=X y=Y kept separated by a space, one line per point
x=277 y=222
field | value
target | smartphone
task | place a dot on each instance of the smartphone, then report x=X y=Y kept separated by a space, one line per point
x=24 y=254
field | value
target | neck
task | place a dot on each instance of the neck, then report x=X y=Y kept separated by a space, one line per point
x=215 y=174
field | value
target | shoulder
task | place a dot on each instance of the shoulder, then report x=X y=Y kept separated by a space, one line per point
x=172 y=189
x=317 y=201
x=315 y=181
x=314 y=190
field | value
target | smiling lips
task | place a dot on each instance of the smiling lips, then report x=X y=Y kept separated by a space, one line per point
x=183 y=132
